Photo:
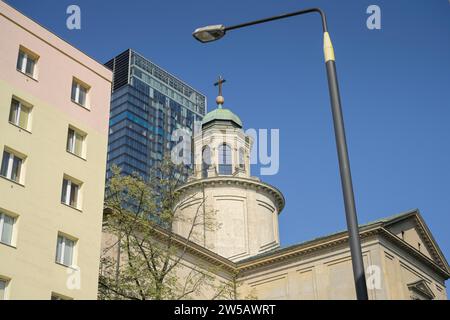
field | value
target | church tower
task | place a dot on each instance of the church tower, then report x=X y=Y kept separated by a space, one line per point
x=243 y=209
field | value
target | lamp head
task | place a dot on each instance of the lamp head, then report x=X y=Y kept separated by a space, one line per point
x=209 y=33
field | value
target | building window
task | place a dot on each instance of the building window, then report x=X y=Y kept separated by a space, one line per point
x=26 y=62
x=206 y=161
x=6 y=228
x=11 y=166
x=241 y=159
x=57 y=296
x=19 y=113
x=75 y=142
x=3 y=288
x=70 y=193
x=79 y=92
x=225 y=164
x=64 y=250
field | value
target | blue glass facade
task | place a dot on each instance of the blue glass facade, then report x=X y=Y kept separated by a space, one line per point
x=147 y=104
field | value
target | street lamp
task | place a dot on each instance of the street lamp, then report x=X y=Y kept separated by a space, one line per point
x=215 y=32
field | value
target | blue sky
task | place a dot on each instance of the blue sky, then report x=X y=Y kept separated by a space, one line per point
x=394 y=82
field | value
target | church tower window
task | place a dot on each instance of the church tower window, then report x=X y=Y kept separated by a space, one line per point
x=225 y=164
x=241 y=159
x=206 y=161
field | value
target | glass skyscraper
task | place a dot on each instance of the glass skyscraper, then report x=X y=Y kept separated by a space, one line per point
x=147 y=104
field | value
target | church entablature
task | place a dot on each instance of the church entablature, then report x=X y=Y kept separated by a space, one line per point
x=253 y=183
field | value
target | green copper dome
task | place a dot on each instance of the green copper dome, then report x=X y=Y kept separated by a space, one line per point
x=222 y=114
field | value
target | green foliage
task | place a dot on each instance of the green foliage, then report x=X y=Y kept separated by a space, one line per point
x=142 y=258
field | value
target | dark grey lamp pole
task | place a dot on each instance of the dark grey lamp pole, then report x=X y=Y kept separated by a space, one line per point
x=215 y=32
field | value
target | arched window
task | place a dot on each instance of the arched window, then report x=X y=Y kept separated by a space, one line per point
x=225 y=163
x=241 y=159
x=206 y=161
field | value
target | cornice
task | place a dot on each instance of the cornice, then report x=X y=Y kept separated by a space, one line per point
x=302 y=250
x=237 y=181
x=435 y=253
x=339 y=239
x=51 y=39
x=438 y=257
x=417 y=254
x=306 y=249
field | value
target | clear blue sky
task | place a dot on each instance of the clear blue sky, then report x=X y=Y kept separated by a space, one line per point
x=395 y=85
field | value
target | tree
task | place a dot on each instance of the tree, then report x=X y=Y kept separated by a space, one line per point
x=145 y=259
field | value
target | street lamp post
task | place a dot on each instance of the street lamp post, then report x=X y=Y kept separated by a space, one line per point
x=215 y=32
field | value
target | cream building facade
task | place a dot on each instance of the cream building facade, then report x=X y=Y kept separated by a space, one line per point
x=320 y=269
x=53 y=140
x=401 y=258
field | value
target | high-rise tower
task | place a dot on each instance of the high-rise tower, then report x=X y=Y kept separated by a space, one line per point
x=147 y=104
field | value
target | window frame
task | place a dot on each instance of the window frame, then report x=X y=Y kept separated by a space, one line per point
x=28 y=55
x=58 y=296
x=205 y=165
x=13 y=228
x=241 y=160
x=7 y=282
x=66 y=195
x=10 y=166
x=76 y=98
x=225 y=154
x=21 y=105
x=71 y=142
x=65 y=238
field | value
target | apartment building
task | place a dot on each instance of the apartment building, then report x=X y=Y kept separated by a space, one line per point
x=54 y=113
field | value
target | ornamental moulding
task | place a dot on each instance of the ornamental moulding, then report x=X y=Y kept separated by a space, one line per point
x=250 y=183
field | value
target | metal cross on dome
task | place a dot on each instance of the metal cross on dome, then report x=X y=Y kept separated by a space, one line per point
x=219 y=83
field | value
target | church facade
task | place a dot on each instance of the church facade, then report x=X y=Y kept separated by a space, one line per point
x=396 y=269
x=401 y=258
x=228 y=228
